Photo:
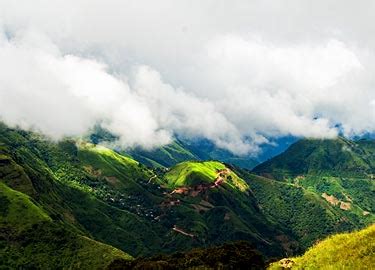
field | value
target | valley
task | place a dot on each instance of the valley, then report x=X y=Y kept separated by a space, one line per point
x=110 y=203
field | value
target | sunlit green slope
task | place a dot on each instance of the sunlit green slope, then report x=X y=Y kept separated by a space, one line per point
x=192 y=173
x=342 y=251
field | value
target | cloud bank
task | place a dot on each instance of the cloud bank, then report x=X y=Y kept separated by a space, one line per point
x=212 y=69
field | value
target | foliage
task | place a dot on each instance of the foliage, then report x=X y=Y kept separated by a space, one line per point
x=239 y=255
x=318 y=187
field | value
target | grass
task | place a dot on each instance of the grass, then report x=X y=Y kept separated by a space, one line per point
x=18 y=210
x=191 y=173
x=354 y=250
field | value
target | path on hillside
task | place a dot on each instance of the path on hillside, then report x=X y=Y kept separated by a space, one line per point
x=176 y=229
x=152 y=178
x=194 y=192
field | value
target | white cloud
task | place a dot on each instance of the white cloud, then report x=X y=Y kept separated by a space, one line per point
x=235 y=73
x=66 y=95
x=184 y=113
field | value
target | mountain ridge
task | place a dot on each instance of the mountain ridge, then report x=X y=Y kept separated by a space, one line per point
x=96 y=193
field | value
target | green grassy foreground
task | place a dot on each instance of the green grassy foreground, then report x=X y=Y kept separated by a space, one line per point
x=354 y=250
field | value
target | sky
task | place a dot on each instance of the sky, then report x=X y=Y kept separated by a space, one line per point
x=239 y=73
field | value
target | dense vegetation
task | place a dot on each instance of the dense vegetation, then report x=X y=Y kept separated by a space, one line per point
x=30 y=239
x=93 y=192
x=82 y=205
x=343 y=251
x=239 y=255
x=319 y=187
x=335 y=157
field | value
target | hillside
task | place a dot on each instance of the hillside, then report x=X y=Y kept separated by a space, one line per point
x=303 y=212
x=165 y=156
x=319 y=186
x=29 y=238
x=335 y=157
x=354 y=250
x=212 y=174
x=219 y=205
x=99 y=194
x=198 y=149
x=94 y=194
x=183 y=149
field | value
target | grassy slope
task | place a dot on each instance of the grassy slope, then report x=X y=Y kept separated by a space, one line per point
x=18 y=210
x=190 y=173
x=120 y=172
x=343 y=251
x=233 y=213
x=29 y=238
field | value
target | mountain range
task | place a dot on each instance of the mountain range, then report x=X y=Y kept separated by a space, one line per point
x=78 y=204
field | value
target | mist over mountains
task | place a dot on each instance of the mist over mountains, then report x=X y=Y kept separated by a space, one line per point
x=187 y=134
x=230 y=78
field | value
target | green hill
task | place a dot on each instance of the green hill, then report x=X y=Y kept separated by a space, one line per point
x=339 y=171
x=194 y=173
x=30 y=239
x=165 y=156
x=188 y=150
x=318 y=186
x=354 y=250
x=99 y=194
x=335 y=157
x=79 y=196
x=305 y=214
x=219 y=205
